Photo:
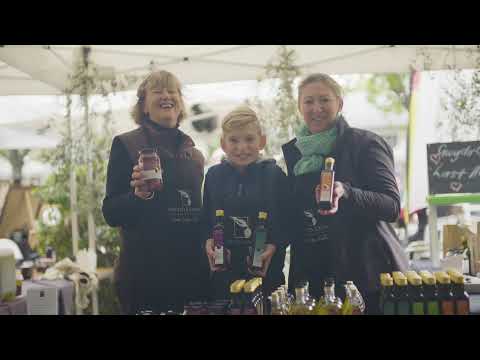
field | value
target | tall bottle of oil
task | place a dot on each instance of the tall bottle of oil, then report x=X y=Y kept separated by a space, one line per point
x=327 y=178
x=328 y=304
x=285 y=300
x=430 y=293
x=387 y=299
x=462 y=299
x=300 y=306
x=447 y=303
x=253 y=298
x=416 y=293
x=401 y=293
x=218 y=239
x=276 y=308
x=260 y=238
x=309 y=300
x=236 y=296
x=354 y=303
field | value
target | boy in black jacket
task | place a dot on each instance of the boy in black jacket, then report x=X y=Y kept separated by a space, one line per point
x=243 y=185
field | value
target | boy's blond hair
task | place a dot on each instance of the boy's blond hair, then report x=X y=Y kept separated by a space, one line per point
x=239 y=118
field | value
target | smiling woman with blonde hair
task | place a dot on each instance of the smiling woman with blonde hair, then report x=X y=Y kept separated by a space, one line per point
x=161 y=264
x=353 y=240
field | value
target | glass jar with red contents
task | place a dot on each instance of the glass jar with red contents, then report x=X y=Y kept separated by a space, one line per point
x=152 y=170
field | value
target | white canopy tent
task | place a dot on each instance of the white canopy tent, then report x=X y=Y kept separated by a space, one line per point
x=44 y=69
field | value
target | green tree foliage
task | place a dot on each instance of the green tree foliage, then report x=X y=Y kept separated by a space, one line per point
x=388 y=92
x=16 y=159
x=280 y=117
x=56 y=191
x=461 y=101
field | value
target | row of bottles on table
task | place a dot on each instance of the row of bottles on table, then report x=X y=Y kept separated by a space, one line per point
x=424 y=293
x=328 y=304
x=246 y=298
x=259 y=240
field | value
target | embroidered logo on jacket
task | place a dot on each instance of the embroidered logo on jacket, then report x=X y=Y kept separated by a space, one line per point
x=241 y=230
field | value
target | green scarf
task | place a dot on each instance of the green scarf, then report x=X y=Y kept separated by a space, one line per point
x=314 y=148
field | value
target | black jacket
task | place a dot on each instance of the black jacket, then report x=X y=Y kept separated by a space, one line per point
x=361 y=242
x=261 y=188
x=161 y=264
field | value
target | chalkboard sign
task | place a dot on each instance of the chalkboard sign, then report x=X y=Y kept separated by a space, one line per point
x=454 y=167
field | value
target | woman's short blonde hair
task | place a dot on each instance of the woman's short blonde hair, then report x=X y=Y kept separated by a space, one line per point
x=157 y=80
x=239 y=118
x=324 y=78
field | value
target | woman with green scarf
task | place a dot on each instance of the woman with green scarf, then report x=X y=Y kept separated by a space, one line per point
x=354 y=239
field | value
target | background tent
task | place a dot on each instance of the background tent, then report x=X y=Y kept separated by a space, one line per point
x=45 y=69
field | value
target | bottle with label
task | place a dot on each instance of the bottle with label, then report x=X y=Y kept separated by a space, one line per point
x=462 y=299
x=447 y=303
x=430 y=292
x=276 y=307
x=401 y=293
x=327 y=178
x=309 y=300
x=218 y=239
x=285 y=299
x=236 y=296
x=253 y=304
x=152 y=170
x=387 y=298
x=416 y=293
x=299 y=307
x=328 y=304
x=354 y=303
x=260 y=238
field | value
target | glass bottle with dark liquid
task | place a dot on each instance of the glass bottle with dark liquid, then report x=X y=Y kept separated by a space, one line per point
x=387 y=299
x=431 y=293
x=327 y=178
x=447 y=303
x=401 y=293
x=152 y=170
x=260 y=238
x=462 y=299
x=218 y=239
x=416 y=293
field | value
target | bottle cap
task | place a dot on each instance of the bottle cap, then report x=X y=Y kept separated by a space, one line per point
x=427 y=277
x=252 y=285
x=387 y=281
x=237 y=286
x=384 y=275
x=399 y=278
x=442 y=277
x=456 y=276
x=262 y=215
x=413 y=278
x=329 y=162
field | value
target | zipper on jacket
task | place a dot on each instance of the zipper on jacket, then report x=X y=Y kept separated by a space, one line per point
x=240 y=190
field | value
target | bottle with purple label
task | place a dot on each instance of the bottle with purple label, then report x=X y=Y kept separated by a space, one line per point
x=152 y=170
x=218 y=239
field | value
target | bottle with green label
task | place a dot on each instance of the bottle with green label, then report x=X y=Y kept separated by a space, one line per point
x=462 y=299
x=260 y=238
x=417 y=297
x=387 y=299
x=401 y=293
x=430 y=292
x=447 y=303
